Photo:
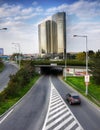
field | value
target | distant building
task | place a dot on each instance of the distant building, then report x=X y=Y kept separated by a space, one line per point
x=4 y=57
x=52 y=35
x=1 y=51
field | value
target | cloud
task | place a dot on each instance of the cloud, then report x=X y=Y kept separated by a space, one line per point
x=9 y=10
x=85 y=9
x=35 y=3
x=18 y=12
x=82 y=9
x=80 y=15
x=60 y=8
x=83 y=17
x=26 y=11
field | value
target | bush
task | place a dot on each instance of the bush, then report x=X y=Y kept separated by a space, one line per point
x=18 y=82
x=1 y=65
x=95 y=67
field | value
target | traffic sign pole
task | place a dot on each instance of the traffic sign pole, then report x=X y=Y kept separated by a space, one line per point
x=87 y=80
x=86 y=92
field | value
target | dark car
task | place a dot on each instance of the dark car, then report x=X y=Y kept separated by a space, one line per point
x=73 y=98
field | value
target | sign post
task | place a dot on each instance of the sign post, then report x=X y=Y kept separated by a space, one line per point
x=87 y=80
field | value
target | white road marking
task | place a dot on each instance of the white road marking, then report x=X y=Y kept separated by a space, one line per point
x=59 y=116
x=47 y=111
x=57 y=120
x=6 y=115
x=56 y=110
x=56 y=106
x=62 y=124
x=70 y=126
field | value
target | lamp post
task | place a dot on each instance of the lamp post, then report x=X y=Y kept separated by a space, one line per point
x=65 y=65
x=86 y=76
x=65 y=49
x=3 y=28
x=18 y=45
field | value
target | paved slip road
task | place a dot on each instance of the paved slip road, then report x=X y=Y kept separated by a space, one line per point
x=86 y=113
x=10 y=69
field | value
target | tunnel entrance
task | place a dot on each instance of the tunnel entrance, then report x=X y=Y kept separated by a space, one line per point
x=51 y=70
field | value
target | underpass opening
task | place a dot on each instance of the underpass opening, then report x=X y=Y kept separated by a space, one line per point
x=51 y=70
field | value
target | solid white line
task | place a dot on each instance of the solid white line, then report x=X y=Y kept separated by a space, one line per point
x=78 y=128
x=6 y=115
x=48 y=109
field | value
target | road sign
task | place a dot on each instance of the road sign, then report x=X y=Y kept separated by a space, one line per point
x=87 y=78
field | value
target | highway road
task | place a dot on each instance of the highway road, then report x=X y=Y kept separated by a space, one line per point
x=10 y=69
x=87 y=114
x=30 y=112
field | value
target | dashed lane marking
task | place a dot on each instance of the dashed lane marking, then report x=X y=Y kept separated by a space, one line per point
x=59 y=116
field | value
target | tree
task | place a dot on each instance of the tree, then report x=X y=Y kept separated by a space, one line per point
x=81 y=56
x=1 y=65
x=95 y=67
x=91 y=53
x=16 y=56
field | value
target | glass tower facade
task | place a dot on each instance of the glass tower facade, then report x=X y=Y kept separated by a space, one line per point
x=52 y=35
x=42 y=38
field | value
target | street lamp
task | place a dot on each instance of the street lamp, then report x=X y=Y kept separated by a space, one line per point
x=3 y=28
x=18 y=45
x=86 y=76
x=65 y=65
x=65 y=49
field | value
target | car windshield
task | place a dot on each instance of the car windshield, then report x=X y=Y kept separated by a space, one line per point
x=76 y=97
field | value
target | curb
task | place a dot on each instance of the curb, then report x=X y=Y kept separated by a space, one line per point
x=19 y=100
x=89 y=101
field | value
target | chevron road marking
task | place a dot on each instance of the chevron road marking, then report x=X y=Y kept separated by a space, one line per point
x=59 y=116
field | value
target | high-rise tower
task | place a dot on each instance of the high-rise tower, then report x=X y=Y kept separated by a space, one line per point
x=60 y=20
x=52 y=35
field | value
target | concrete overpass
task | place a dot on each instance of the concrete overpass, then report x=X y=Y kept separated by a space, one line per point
x=59 y=69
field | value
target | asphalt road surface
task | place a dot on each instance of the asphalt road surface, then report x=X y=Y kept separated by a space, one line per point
x=10 y=69
x=30 y=112
x=87 y=114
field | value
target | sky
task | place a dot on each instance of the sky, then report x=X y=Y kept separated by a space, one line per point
x=21 y=18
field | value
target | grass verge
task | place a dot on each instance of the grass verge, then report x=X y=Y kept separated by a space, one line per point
x=93 y=89
x=4 y=106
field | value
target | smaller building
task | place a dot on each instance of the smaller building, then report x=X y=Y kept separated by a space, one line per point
x=4 y=57
x=1 y=51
